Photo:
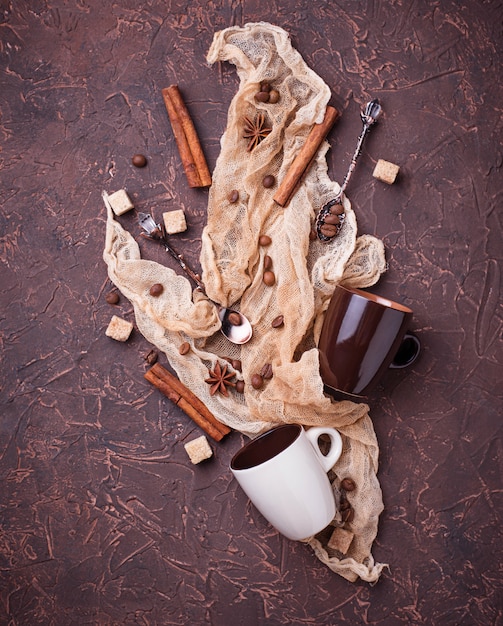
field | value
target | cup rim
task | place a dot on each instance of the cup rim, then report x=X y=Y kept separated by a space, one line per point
x=234 y=466
x=373 y=297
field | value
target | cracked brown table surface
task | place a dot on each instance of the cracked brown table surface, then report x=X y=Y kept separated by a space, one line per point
x=103 y=518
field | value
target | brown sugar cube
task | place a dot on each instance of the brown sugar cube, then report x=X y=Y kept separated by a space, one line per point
x=340 y=540
x=120 y=202
x=174 y=221
x=198 y=450
x=386 y=171
x=119 y=329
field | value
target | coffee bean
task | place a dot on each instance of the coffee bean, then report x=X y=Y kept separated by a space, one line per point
x=139 y=160
x=264 y=240
x=267 y=262
x=151 y=357
x=257 y=381
x=348 y=484
x=278 y=322
x=234 y=196
x=337 y=209
x=184 y=348
x=268 y=181
x=332 y=219
x=234 y=318
x=237 y=365
x=273 y=96
x=156 y=290
x=112 y=297
x=265 y=86
x=328 y=230
x=266 y=371
x=344 y=504
x=269 y=278
x=240 y=386
x=262 y=96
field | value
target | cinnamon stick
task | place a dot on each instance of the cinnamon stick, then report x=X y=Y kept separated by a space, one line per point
x=189 y=147
x=178 y=393
x=304 y=157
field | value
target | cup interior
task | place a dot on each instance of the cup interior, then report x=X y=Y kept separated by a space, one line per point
x=265 y=447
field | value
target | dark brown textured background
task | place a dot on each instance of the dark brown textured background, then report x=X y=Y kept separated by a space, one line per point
x=103 y=518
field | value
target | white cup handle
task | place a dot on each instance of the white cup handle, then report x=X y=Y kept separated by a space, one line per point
x=328 y=460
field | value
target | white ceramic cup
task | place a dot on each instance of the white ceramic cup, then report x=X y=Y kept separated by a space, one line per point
x=284 y=473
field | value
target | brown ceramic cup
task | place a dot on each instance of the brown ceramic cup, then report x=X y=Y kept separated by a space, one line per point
x=362 y=336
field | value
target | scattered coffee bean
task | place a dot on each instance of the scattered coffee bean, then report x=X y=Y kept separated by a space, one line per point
x=266 y=371
x=151 y=357
x=264 y=240
x=139 y=160
x=156 y=290
x=265 y=86
x=262 y=96
x=112 y=297
x=273 y=96
x=234 y=196
x=257 y=381
x=269 y=278
x=267 y=262
x=237 y=365
x=348 y=484
x=184 y=348
x=268 y=181
x=240 y=386
x=278 y=321
x=234 y=318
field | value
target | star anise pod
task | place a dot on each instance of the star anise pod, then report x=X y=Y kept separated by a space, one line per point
x=219 y=380
x=255 y=130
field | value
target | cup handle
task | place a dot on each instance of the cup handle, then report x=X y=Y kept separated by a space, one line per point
x=328 y=460
x=407 y=353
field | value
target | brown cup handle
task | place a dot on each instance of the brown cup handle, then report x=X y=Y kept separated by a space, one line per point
x=407 y=353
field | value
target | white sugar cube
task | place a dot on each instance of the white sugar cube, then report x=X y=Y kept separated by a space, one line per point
x=198 y=449
x=120 y=202
x=386 y=171
x=340 y=540
x=119 y=329
x=174 y=221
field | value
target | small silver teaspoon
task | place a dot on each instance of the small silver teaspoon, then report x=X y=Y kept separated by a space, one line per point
x=235 y=326
x=331 y=217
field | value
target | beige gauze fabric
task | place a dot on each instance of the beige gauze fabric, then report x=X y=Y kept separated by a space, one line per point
x=306 y=274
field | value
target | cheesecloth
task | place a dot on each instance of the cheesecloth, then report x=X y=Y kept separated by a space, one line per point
x=306 y=274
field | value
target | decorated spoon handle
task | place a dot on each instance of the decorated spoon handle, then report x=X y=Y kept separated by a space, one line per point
x=184 y=266
x=369 y=117
x=157 y=232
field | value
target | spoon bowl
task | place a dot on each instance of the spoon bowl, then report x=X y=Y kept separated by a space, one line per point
x=235 y=332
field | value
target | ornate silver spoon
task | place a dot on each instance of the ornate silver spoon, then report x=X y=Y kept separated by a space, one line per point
x=235 y=326
x=331 y=217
